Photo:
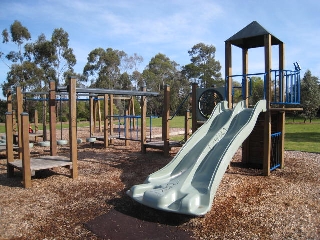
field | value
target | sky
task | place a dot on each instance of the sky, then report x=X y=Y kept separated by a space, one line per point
x=171 y=27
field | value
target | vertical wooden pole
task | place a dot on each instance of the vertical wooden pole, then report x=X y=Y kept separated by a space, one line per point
x=165 y=121
x=244 y=72
x=106 y=121
x=194 y=107
x=9 y=101
x=73 y=127
x=111 y=118
x=9 y=143
x=19 y=111
x=186 y=125
x=91 y=116
x=53 y=118
x=282 y=117
x=143 y=127
x=36 y=120
x=99 y=115
x=245 y=96
x=26 y=166
x=127 y=126
x=228 y=72
x=44 y=120
x=94 y=115
x=267 y=124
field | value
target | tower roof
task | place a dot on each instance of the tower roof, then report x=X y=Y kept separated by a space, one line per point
x=252 y=36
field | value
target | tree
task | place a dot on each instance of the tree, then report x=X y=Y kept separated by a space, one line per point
x=257 y=90
x=104 y=67
x=18 y=35
x=64 y=58
x=203 y=67
x=310 y=96
x=162 y=71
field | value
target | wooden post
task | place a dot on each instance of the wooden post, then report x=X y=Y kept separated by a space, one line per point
x=143 y=127
x=127 y=126
x=91 y=116
x=9 y=143
x=111 y=118
x=186 y=125
x=282 y=117
x=245 y=145
x=194 y=107
x=244 y=72
x=106 y=121
x=19 y=111
x=36 y=120
x=94 y=115
x=99 y=115
x=26 y=166
x=165 y=121
x=44 y=118
x=228 y=73
x=73 y=127
x=53 y=116
x=267 y=124
x=9 y=101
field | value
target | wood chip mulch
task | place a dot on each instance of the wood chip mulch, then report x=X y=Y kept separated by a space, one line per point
x=247 y=205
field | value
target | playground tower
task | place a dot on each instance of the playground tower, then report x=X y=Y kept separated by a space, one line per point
x=281 y=90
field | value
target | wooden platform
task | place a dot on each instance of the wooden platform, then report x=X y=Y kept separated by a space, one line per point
x=32 y=135
x=43 y=162
x=160 y=145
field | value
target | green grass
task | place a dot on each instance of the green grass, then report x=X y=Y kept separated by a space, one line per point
x=299 y=136
x=302 y=136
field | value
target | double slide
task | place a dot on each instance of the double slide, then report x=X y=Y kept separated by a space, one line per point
x=189 y=182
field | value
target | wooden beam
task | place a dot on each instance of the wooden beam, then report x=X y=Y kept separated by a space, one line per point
x=282 y=117
x=73 y=127
x=44 y=118
x=165 y=121
x=19 y=111
x=26 y=168
x=267 y=124
x=53 y=118
x=127 y=126
x=186 y=125
x=228 y=72
x=91 y=103
x=143 y=127
x=111 y=118
x=9 y=143
x=244 y=72
x=194 y=107
x=106 y=121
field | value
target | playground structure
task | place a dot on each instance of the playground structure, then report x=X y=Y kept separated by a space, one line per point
x=29 y=165
x=189 y=182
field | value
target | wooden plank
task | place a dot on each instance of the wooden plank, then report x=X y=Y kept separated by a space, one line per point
x=25 y=150
x=52 y=114
x=160 y=144
x=43 y=162
x=73 y=127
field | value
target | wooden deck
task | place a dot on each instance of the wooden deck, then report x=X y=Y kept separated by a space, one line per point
x=43 y=162
x=160 y=145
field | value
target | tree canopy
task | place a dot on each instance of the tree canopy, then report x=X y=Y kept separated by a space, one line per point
x=310 y=95
x=203 y=69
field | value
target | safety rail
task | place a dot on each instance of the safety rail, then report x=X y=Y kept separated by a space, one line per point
x=285 y=87
x=275 y=151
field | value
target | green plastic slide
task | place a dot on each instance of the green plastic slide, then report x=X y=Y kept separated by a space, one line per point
x=189 y=182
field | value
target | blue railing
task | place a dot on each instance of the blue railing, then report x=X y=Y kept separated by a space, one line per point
x=285 y=86
x=275 y=151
